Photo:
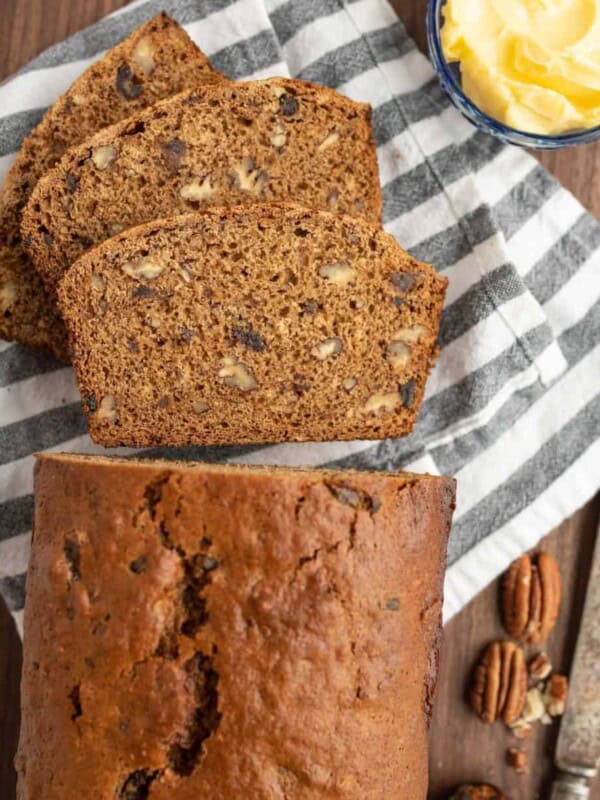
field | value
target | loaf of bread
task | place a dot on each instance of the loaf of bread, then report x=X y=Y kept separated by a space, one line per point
x=155 y=61
x=230 y=633
x=251 y=324
x=244 y=143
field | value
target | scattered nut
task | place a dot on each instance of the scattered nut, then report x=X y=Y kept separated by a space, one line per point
x=107 y=409
x=382 y=402
x=478 y=791
x=249 y=178
x=398 y=355
x=333 y=198
x=288 y=105
x=328 y=141
x=173 y=152
x=185 y=274
x=197 y=192
x=411 y=334
x=531 y=597
x=499 y=684
x=339 y=273
x=97 y=282
x=539 y=667
x=72 y=182
x=187 y=334
x=517 y=759
x=8 y=295
x=403 y=281
x=199 y=407
x=278 y=137
x=115 y=228
x=327 y=348
x=145 y=267
x=248 y=337
x=128 y=85
x=521 y=729
x=407 y=393
x=142 y=55
x=555 y=695
x=349 y=384
x=154 y=321
x=103 y=156
x=278 y=91
x=534 y=708
x=143 y=291
x=236 y=374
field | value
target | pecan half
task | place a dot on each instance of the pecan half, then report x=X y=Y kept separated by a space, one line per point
x=531 y=597
x=499 y=684
x=477 y=791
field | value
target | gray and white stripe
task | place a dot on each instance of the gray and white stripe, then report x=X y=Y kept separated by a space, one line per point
x=513 y=408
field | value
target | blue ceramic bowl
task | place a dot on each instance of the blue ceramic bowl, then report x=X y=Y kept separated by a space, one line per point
x=449 y=75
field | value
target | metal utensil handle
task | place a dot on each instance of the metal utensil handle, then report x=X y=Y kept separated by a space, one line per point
x=571 y=787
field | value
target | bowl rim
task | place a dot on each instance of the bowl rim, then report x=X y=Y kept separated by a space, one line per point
x=478 y=117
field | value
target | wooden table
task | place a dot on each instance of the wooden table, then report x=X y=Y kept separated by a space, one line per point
x=463 y=749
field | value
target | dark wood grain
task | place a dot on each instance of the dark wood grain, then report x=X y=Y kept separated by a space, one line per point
x=462 y=748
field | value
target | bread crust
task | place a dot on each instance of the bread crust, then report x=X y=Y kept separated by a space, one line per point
x=230 y=632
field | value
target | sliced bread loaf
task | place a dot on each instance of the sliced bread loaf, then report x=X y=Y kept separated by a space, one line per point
x=233 y=633
x=262 y=141
x=251 y=324
x=155 y=61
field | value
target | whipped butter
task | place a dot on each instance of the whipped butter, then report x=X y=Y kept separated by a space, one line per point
x=532 y=64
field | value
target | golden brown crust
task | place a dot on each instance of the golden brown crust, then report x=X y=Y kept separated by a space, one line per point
x=157 y=60
x=243 y=143
x=229 y=632
x=251 y=324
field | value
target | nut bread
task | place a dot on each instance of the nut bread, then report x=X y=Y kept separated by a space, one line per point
x=155 y=61
x=259 y=141
x=251 y=324
x=230 y=632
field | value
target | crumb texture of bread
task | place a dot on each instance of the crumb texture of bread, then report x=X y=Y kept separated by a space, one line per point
x=252 y=324
x=230 y=632
x=234 y=144
x=156 y=61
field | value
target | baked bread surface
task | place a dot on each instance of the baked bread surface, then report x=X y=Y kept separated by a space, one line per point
x=230 y=632
x=252 y=324
x=157 y=60
x=240 y=143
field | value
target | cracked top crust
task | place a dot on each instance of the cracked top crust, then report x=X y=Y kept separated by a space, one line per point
x=230 y=632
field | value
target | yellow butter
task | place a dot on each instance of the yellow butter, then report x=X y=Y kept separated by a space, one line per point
x=531 y=64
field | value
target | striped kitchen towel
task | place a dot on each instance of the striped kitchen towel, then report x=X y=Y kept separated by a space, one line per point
x=513 y=407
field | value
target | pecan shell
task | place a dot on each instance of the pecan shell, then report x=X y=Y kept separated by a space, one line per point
x=499 y=685
x=531 y=597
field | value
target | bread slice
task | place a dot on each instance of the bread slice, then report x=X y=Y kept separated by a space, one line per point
x=155 y=61
x=212 y=631
x=273 y=140
x=264 y=323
